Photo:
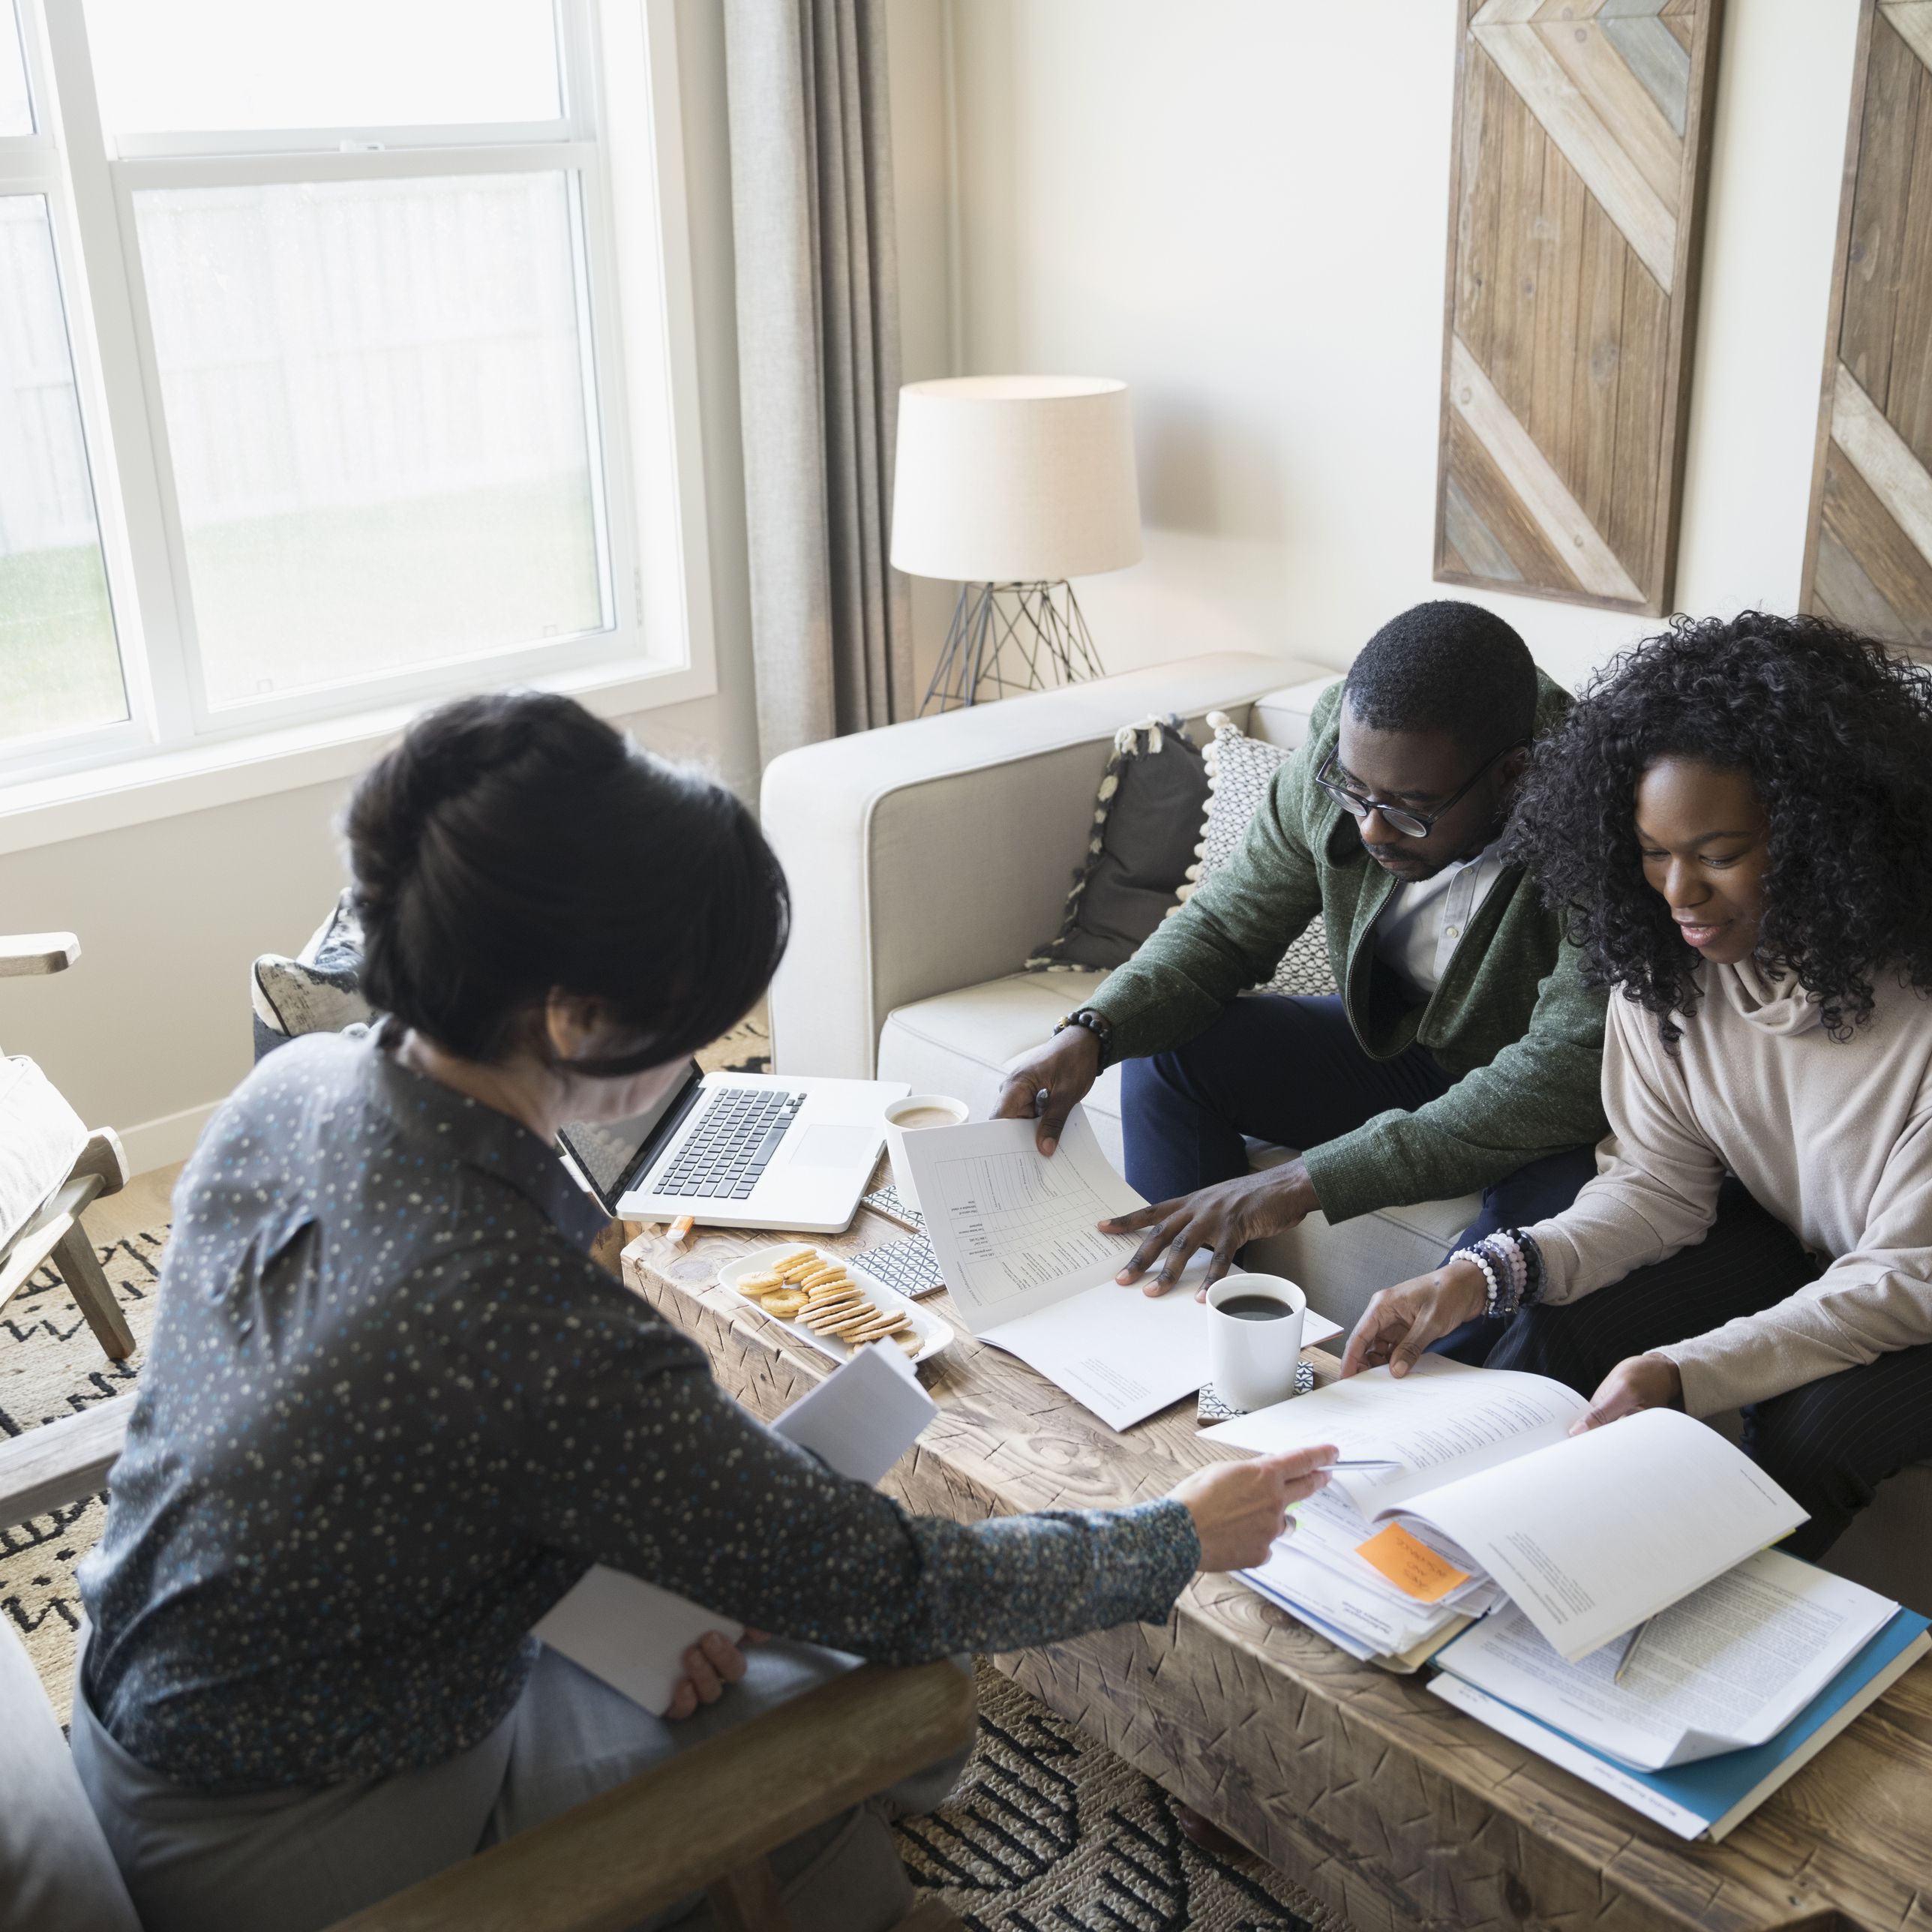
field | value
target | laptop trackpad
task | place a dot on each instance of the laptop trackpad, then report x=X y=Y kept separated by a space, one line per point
x=832 y=1146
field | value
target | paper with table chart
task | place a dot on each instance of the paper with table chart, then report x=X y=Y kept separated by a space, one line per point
x=860 y=1421
x=1587 y=1534
x=1031 y=1273
x=1728 y=1666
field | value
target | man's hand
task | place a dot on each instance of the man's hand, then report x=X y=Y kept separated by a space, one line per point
x=1398 y=1326
x=1638 y=1381
x=1220 y=1217
x=1064 y=1069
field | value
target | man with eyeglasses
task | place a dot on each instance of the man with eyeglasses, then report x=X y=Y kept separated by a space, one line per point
x=1464 y=1051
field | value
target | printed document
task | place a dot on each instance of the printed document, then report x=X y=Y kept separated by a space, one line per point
x=1587 y=1534
x=1031 y=1273
x=1728 y=1666
x=860 y=1421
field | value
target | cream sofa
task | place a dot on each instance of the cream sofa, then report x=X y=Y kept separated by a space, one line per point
x=926 y=861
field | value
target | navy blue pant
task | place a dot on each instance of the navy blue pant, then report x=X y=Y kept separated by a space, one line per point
x=1829 y=1444
x=1289 y=1069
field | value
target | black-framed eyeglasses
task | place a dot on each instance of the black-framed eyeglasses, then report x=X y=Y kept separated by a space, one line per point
x=1411 y=824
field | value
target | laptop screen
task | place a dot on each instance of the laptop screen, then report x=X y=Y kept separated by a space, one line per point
x=613 y=1154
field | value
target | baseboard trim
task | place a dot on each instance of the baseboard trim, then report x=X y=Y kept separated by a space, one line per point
x=161 y=1143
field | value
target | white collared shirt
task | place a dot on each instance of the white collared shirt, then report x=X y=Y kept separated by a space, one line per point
x=1425 y=921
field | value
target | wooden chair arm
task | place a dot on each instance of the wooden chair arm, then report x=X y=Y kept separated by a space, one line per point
x=681 y=1825
x=23 y=953
x=59 y=1462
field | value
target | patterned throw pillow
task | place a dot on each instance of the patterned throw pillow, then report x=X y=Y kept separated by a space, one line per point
x=1239 y=770
x=316 y=991
x=1146 y=820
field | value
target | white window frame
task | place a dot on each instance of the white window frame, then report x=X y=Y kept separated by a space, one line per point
x=621 y=146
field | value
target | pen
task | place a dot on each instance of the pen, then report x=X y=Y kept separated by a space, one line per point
x=1630 y=1650
x=1366 y=1462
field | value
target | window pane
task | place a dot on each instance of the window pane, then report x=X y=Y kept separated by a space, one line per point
x=376 y=410
x=207 y=65
x=16 y=114
x=60 y=669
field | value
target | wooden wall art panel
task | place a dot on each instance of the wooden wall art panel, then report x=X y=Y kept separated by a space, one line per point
x=1582 y=141
x=1868 y=550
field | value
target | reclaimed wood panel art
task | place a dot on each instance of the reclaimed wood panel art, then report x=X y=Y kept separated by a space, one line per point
x=1582 y=134
x=1868 y=548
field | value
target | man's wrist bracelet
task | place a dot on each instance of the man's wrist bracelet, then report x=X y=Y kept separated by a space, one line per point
x=1097 y=1024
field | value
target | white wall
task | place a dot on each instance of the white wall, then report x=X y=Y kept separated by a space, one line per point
x=1241 y=206
x=151 y=1030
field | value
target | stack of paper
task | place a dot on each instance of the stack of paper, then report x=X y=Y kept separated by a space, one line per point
x=1382 y=1594
x=1588 y=1535
x=1724 y=1696
x=1021 y=1254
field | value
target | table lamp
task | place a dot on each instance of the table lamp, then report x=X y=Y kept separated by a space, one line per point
x=1010 y=485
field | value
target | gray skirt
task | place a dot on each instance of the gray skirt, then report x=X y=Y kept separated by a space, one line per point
x=297 y=1860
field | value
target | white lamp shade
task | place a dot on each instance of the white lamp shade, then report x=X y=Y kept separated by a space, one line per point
x=1015 y=479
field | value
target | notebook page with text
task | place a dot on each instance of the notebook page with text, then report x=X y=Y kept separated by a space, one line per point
x=1442 y=1421
x=1594 y=1533
x=1014 y=1229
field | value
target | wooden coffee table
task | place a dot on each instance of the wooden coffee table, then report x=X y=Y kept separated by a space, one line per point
x=1396 y=1811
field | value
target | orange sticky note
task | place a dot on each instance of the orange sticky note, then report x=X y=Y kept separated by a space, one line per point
x=1411 y=1565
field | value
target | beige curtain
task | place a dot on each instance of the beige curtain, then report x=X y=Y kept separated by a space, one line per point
x=818 y=362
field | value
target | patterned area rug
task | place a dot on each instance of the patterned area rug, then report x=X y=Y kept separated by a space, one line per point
x=1047 y=1832
x=1050 y=1832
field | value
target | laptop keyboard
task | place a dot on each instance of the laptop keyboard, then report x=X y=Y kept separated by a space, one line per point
x=737 y=1132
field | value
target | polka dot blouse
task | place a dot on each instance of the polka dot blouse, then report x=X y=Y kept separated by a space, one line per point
x=392 y=1412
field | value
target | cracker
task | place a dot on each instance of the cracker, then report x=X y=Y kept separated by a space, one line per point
x=876 y=1331
x=909 y=1339
x=837 y=1298
x=839 y=1324
x=816 y=1277
x=756 y=1285
x=784 y=1305
x=826 y=1319
x=786 y=1260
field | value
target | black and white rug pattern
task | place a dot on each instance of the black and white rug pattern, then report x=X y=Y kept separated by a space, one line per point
x=1051 y=1832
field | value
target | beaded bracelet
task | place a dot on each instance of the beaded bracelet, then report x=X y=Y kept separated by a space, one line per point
x=1512 y=1265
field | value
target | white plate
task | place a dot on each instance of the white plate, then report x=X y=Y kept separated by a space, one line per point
x=933 y=1331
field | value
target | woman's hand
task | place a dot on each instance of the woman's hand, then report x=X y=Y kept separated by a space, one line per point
x=712 y=1662
x=1240 y=1508
x=1221 y=1218
x=1401 y=1322
x=1064 y=1069
x=1638 y=1381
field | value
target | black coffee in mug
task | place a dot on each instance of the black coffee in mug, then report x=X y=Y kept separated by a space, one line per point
x=1255 y=1308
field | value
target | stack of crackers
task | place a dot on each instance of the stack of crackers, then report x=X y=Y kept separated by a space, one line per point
x=806 y=1286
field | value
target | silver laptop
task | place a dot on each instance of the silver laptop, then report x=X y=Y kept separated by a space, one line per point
x=741 y=1151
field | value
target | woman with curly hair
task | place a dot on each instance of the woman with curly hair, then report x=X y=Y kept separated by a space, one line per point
x=1736 y=819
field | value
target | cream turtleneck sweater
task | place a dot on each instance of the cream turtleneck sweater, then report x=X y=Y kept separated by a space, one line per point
x=1834 y=1137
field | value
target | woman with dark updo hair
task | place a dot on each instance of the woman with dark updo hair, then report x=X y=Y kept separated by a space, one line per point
x=1736 y=819
x=392 y=1411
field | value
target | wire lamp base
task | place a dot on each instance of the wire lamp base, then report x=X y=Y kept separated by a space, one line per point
x=1006 y=638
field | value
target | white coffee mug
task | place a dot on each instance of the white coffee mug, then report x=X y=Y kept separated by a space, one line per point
x=917 y=1111
x=1253 y=1350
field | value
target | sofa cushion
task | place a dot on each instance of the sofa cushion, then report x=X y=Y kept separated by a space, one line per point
x=1240 y=770
x=56 y=1870
x=960 y=1043
x=1282 y=717
x=1147 y=821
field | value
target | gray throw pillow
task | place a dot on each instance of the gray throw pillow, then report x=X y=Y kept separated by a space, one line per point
x=1240 y=770
x=1147 y=820
x=318 y=991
